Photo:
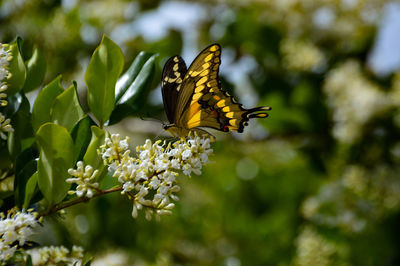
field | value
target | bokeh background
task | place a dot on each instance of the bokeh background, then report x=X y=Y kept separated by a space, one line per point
x=316 y=183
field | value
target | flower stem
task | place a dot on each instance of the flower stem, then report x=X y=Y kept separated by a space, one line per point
x=70 y=203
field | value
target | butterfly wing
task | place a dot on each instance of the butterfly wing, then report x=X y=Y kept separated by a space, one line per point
x=173 y=73
x=202 y=102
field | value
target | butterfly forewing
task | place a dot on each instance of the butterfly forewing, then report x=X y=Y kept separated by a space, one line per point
x=201 y=76
x=172 y=77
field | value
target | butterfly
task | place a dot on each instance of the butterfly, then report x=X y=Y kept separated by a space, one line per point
x=193 y=98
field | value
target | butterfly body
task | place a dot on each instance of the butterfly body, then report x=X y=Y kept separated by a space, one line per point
x=193 y=98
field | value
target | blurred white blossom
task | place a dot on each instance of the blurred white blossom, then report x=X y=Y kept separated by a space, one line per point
x=150 y=177
x=15 y=230
x=314 y=249
x=354 y=100
x=302 y=56
x=84 y=177
x=111 y=258
x=357 y=198
x=56 y=256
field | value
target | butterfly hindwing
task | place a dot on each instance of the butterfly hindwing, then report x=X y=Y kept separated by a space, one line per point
x=173 y=73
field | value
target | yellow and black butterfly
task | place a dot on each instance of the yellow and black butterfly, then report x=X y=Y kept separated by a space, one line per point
x=193 y=97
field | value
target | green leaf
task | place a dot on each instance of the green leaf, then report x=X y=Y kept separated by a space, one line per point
x=66 y=110
x=14 y=102
x=5 y=158
x=30 y=190
x=21 y=180
x=91 y=156
x=28 y=261
x=81 y=136
x=4 y=195
x=134 y=97
x=20 y=122
x=16 y=67
x=101 y=76
x=126 y=79
x=35 y=70
x=25 y=167
x=87 y=259
x=44 y=102
x=56 y=157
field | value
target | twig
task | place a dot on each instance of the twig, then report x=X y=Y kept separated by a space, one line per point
x=70 y=203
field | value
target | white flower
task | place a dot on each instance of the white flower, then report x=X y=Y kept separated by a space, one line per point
x=5 y=58
x=56 y=255
x=301 y=56
x=153 y=169
x=84 y=177
x=354 y=100
x=16 y=228
x=3 y=95
x=5 y=126
x=115 y=150
x=186 y=154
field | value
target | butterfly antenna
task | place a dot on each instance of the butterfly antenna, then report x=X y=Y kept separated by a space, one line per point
x=152 y=119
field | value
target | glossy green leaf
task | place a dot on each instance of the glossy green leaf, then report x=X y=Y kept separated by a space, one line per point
x=44 y=102
x=25 y=167
x=126 y=79
x=21 y=179
x=101 y=76
x=56 y=157
x=5 y=158
x=17 y=69
x=20 y=122
x=87 y=259
x=30 y=190
x=81 y=135
x=28 y=261
x=35 y=70
x=91 y=156
x=66 y=110
x=4 y=195
x=14 y=102
x=140 y=83
x=134 y=97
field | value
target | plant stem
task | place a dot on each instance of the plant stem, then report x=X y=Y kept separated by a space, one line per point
x=100 y=192
x=70 y=203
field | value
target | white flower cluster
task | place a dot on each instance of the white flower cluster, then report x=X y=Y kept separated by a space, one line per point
x=302 y=56
x=5 y=58
x=56 y=256
x=15 y=229
x=378 y=189
x=84 y=177
x=354 y=100
x=315 y=249
x=5 y=126
x=150 y=177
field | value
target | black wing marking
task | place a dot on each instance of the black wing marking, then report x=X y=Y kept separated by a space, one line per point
x=173 y=73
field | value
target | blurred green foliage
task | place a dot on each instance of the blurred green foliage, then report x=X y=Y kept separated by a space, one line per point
x=317 y=183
